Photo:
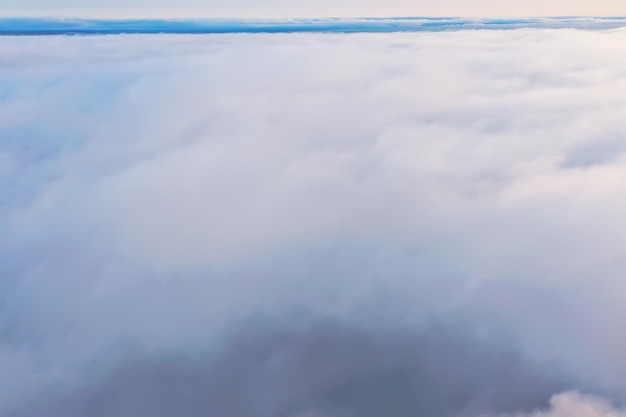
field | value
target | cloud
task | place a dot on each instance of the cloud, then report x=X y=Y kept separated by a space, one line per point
x=574 y=404
x=65 y=26
x=320 y=368
x=159 y=192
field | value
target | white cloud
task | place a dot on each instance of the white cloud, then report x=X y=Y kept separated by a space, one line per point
x=152 y=186
x=573 y=404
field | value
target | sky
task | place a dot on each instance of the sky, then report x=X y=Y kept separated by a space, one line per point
x=305 y=8
x=313 y=225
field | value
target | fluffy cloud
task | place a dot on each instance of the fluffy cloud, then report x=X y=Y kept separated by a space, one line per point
x=574 y=404
x=159 y=192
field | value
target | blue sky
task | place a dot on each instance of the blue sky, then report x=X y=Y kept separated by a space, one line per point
x=306 y=8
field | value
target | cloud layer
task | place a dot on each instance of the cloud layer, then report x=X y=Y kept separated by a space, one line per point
x=360 y=221
x=65 y=26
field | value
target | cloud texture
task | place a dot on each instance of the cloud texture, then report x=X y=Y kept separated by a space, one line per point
x=313 y=225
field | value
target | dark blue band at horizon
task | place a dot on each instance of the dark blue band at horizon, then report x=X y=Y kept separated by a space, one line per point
x=59 y=26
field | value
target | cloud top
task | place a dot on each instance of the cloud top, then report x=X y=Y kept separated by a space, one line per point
x=242 y=212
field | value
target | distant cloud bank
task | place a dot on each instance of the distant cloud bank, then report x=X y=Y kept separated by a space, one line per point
x=32 y=26
x=314 y=225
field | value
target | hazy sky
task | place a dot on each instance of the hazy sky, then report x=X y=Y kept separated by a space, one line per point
x=306 y=8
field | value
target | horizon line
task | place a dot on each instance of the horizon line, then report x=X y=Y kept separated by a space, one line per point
x=55 y=25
